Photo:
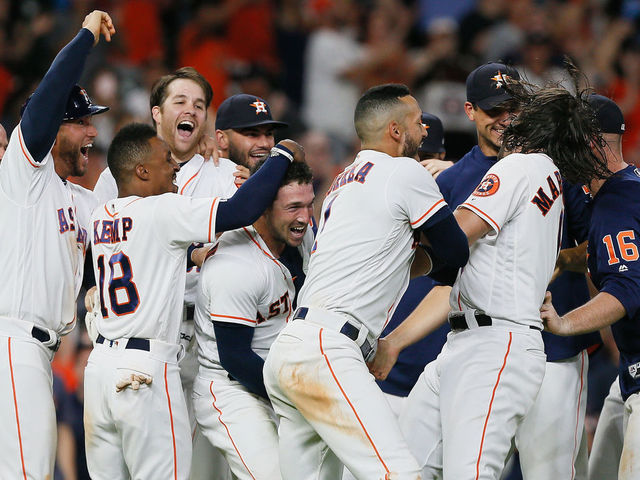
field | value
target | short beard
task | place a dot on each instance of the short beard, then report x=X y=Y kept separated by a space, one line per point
x=236 y=157
x=410 y=148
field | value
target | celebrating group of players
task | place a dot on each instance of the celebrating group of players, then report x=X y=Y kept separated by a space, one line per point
x=263 y=341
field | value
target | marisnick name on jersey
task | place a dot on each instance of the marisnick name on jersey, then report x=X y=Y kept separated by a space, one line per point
x=112 y=231
x=543 y=201
x=67 y=223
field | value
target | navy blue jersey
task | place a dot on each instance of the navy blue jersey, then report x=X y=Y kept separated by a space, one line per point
x=570 y=289
x=614 y=244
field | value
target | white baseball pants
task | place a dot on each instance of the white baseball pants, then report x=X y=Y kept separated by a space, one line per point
x=239 y=424
x=550 y=435
x=604 y=460
x=464 y=411
x=27 y=413
x=331 y=410
x=133 y=434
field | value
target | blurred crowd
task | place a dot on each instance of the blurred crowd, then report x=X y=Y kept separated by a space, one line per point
x=311 y=60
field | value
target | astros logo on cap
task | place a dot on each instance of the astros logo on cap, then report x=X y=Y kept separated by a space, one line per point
x=259 y=106
x=488 y=186
x=500 y=79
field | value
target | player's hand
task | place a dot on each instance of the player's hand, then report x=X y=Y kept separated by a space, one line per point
x=296 y=149
x=133 y=380
x=208 y=148
x=553 y=322
x=241 y=174
x=435 y=167
x=199 y=255
x=92 y=304
x=99 y=22
x=385 y=359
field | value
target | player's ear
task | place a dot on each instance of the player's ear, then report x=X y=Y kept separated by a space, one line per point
x=141 y=171
x=469 y=110
x=156 y=114
x=222 y=138
x=395 y=130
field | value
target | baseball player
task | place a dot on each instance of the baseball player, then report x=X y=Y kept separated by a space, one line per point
x=412 y=360
x=245 y=299
x=135 y=413
x=542 y=455
x=179 y=103
x=331 y=411
x=604 y=461
x=245 y=129
x=465 y=411
x=43 y=248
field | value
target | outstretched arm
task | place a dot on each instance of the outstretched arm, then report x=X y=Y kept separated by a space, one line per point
x=45 y=109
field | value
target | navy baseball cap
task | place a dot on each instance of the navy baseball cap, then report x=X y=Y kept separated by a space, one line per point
x=78 y=105
x=244 y=111
x=485 y=84
x=608 y=114
x=434 y=141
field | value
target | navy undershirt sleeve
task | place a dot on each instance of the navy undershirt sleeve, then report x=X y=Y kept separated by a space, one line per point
x=43 y=114
x=237 y=357
x=254 y=196
x=448 y=242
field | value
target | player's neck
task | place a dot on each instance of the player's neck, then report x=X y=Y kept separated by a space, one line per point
x=384 y=145
x=276 y=247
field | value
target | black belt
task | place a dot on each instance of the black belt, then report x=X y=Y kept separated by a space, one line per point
x=190 y=311
x=44 y=337
x=132 y=343
x=459 y=322
x=347 y=330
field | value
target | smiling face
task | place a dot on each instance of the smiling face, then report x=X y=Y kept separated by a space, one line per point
x=181 y=117
x=161 y=167
x=490 y=125
x=247 y=146
x=288 y=218
x=71 y=149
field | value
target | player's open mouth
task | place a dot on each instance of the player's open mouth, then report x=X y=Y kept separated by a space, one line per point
x=185 y=128
x=298 y=231
x=259 y=154
x=85 y=150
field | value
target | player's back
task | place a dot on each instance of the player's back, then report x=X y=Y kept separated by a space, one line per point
x=42 y=242
x=139 y=259
x=364 y=247
x=509 y=268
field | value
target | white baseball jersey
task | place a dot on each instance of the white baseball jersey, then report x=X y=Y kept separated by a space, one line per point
x=509 y=269
x=155 y=232
x=197 y=178
x=364 y=247
x=242 y=283
x=43 y=240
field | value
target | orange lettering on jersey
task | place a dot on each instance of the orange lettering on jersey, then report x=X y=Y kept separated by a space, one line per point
x=488 y=186
x=542 y=200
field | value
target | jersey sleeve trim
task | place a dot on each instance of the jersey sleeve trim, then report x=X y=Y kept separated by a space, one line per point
x=25 y=152
x=214 y=315
x=439 y=202
x=211 y=223
x=482 y=215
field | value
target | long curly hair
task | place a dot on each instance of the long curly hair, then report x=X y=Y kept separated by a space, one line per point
x=564 y=126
